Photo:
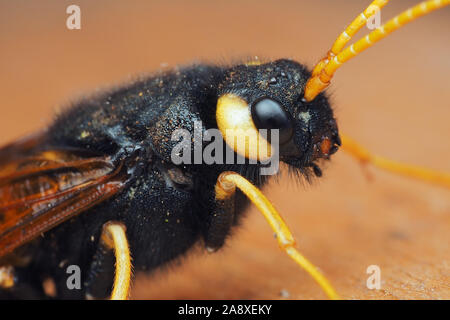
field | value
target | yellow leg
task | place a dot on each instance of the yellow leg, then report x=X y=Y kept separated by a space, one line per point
x=6 y=277
x=225 y=187
x=420 y=173
x=114 y=237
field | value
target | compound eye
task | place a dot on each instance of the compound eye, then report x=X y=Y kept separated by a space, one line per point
x=268 y=114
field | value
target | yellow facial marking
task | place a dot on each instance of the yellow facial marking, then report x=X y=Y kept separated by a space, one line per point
x=234 y=121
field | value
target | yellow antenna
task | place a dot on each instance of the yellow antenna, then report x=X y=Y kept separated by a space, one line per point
x=325 y=69
x=349 y=32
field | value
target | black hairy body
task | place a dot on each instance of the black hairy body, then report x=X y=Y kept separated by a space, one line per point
x=165 y=208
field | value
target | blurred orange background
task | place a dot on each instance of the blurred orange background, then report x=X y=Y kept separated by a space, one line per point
x=393 y=98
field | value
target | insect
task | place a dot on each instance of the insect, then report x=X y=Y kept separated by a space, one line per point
x=102 y=175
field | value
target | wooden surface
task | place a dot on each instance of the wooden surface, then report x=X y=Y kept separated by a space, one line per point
x=342 y=222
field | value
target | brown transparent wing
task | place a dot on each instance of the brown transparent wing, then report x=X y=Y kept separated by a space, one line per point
x=39 y=190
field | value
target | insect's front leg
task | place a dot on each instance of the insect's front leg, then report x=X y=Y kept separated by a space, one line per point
x=113 y=238
x=221 y=218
